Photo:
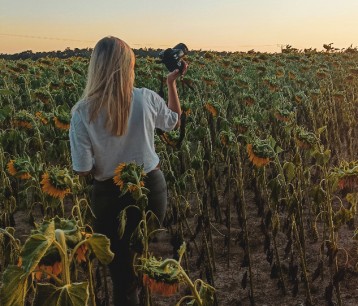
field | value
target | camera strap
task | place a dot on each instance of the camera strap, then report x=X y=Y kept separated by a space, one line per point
x=161 y=89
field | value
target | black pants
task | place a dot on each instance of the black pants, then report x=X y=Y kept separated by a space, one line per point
x=107 y=204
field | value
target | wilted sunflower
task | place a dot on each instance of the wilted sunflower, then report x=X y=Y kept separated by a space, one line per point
x=242 y=124
x=57 y=183
x=347 y=175
x=61 y=125
x=260 y=152
x=161 y=277
x=57 y=268
x=212 y=108
x=42 y=117
x=305 y=139
x=81 y=253
x=42 y=95
x=23 y=119
x=208 y=80
x=128 y=176
x=62 y=119
x=283 y=115
x=172 y=138
x=20 y=168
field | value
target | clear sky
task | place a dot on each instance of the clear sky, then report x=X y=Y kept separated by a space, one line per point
x=232 y=25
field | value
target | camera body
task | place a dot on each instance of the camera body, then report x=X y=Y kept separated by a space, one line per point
x=171 y=57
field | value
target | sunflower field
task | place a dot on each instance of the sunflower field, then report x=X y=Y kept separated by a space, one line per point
x=262 y=179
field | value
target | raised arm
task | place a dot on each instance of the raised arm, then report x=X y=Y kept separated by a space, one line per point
x=173 y=98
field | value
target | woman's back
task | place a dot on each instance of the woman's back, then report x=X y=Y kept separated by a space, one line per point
x=148 y=111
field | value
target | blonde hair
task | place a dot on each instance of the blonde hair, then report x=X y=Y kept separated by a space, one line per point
x=110 y=83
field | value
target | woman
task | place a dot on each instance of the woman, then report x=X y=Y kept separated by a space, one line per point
x=114 y=122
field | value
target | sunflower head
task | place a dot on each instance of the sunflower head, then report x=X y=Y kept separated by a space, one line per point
x=62 y=119
x=160 y=276
x=305 y=139
x=23 y=119
x=347 y=175
x=213 y=108
x=129 y=177
x=283 y=115
x=20 y=168
x=260 y=152
x=57 y=182
x=42 y=117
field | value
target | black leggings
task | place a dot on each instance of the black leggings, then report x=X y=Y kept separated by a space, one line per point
x=107 y=204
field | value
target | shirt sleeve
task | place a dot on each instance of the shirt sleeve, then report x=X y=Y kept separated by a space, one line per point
x=80 y=143
x=166 y=119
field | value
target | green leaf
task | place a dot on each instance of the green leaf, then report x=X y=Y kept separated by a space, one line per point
x=276 y=188
x=36 y=247
x=69 y=227
x=289 y=170
x=75 y=294
x=5 y=112
x=100 y=245
x=321 y=130
x=14 y=286
x=122 y=223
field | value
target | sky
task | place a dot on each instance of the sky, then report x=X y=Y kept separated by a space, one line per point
x=222 y=25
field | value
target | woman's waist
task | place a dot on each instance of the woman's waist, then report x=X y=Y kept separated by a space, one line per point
x=110 y=180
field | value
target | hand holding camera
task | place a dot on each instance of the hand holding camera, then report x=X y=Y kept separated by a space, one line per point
x=171 y=57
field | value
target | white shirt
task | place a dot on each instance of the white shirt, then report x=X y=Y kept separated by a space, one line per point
x=93 y=146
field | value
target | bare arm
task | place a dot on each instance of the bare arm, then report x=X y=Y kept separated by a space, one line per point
x=173 y=98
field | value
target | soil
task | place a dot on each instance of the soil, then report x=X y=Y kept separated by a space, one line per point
x=229 y=273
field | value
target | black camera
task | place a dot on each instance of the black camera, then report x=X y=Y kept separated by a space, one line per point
x=171 y=57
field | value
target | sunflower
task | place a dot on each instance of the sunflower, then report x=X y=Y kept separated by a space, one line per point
x=338 y=96
x=321 y=74
x=118 y=174
x=56 y=183
x=43 y=271
x=22 y=123
x=349 y=182
x=57 y=268
x=211 y=108
x=42 y=117
x=161 y=277
x=23 y=119
x=260 y=152
x=291 y=75
x=283 y=115
x=242 y=124
x=42 y=96
x=81 y=253
x=256 y=160
x=208 y=80
x=158 y=287
x=248 y=100
x=305 y=139
x=62 y=118
x=347 y=175
x=271 y=84
x=128 y=176
x=19 y=168
x=61 y=125
x=280 y=72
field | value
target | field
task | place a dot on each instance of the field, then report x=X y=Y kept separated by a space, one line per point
x=262 y=180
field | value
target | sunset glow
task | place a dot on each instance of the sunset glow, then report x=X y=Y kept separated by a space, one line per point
x=229 y=25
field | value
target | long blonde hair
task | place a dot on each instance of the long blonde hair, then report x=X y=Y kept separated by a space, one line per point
x=110 y=83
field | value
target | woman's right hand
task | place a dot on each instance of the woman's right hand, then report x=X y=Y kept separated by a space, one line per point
x=171 y=77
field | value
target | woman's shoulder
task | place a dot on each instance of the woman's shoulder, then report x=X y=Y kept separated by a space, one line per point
x=146 y=95
x=80 y=106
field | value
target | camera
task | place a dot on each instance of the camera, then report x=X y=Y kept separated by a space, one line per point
x=171 y=57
